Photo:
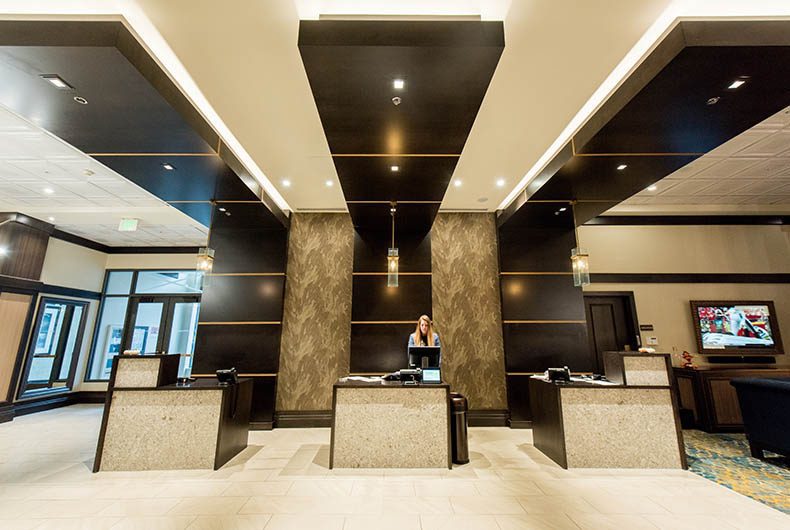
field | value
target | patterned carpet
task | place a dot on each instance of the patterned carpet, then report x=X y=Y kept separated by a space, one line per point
x=725 y=458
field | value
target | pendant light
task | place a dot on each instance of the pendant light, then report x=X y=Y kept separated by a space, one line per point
x=392 y=253
x=580 y=259
x=205 y=260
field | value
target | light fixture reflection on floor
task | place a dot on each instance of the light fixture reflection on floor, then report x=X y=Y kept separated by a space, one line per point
x=581 y=266
x=392 y=255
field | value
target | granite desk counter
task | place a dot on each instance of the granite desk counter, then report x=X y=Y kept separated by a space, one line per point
x=151 y=423
x=390 y=425
x=586 y=425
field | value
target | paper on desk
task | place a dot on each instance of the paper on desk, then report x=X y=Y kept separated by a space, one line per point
x=364 y=379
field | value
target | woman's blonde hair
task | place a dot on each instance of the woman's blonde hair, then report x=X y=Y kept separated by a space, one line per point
x=417 y=335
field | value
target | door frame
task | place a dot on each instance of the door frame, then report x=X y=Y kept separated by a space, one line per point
x=169 y=302
x=35 y=326
x=631 y=309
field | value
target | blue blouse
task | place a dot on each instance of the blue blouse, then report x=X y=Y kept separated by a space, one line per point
x=435 y=340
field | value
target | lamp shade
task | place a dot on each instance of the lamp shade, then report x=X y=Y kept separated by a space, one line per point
x=581 y=266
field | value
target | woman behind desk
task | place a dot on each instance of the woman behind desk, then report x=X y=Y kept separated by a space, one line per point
x=424 y=335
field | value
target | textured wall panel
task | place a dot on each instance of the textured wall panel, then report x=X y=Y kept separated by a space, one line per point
x=466 y=307
x=317 y=314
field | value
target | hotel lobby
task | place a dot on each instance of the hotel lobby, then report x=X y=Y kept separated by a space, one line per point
x=420 y=265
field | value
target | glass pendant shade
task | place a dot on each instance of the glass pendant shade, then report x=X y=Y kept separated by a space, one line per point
x=205 y=260
x=392 y=267
x=581 y=266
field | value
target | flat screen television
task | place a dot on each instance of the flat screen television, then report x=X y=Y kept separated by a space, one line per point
x=741 y=328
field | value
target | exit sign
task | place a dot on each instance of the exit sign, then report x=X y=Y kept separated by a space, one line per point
x=127 y=225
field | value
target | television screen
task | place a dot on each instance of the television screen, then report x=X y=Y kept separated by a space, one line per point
x=736 y=327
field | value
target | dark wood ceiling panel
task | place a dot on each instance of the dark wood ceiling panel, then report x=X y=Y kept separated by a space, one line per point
x=446 y=68
x=417 y=178
x=671 y=114
x=124 y=114
x=597 y=177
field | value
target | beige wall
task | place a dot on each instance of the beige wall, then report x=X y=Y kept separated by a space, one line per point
x=690 y=249
x=466 y=306
x=74 y=266
x=677 y=249
x=151 y=261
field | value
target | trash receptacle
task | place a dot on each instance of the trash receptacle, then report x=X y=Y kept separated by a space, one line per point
x=460 y=440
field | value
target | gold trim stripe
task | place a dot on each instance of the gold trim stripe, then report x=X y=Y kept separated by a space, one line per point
x=541 y=373
x=544 y=321
x=395 y=155
x=152 y=154
x=368 y=373
x=240 y=375
x=246 y=274
x=390 y=202
x=536 y=273
x=383 y=322
x=385 y=273
x=239 y=323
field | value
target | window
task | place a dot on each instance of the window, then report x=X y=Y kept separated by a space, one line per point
x=148 y=311
x=54 y=346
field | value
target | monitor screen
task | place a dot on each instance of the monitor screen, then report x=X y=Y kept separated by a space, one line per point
x=736 y=327
x=431 y=375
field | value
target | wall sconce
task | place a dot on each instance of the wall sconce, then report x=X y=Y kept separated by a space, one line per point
x=581 y=266
x=392 y=254
x=205 y=260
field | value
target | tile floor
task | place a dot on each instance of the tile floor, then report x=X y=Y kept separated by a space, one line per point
x=282 y=482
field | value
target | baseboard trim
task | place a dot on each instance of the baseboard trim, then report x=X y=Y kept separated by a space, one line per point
x=488 y=418
x=520 y=424
x=261 y=425
x=6 y=413
x=285 y=419
x=23 y=408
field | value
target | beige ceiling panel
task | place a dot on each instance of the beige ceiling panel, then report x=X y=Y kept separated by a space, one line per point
x=727 y=168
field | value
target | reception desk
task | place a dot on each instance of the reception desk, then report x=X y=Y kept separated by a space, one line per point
x=152 y=423
x=616 y=425
x=390 y=425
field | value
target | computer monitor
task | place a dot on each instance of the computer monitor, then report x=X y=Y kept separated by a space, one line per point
x=425 y=356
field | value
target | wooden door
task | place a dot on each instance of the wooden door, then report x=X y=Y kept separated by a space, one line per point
x=611 y=325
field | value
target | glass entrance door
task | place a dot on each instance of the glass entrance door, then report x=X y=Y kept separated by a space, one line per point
x=163 y=324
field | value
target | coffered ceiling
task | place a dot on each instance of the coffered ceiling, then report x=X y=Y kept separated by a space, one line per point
x=43 y=177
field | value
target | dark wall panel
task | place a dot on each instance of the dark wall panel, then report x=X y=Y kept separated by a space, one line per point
x=373 y=300
x=535 y=347
x=26 y=247
x=541 y=297
x=536 y=249
x=370 y=251
x=249 y=250
x=250 y=348
x=264 y=390
x=243 y=299
x=380 y=347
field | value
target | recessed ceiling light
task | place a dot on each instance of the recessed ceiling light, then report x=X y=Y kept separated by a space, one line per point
x=621 y=167
x=169 y=167
x=500 y=182
x=56 y=81
x=329 y=183
x=457 y=183
x=398 y=84
x=394 y=169
x=222 y=209
x=81 y=100
x=48 y=191
x=51 y=219
x=652 y=187
x=737 y=83
x=563 y=209
x=286 y=183
x=3 y=251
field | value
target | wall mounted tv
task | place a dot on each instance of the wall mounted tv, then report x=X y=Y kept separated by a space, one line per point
x=742 y=328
